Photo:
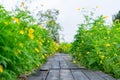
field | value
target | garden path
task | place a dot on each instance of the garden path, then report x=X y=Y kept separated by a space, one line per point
x=60 y=67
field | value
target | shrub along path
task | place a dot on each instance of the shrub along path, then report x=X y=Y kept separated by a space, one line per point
x=60 y=67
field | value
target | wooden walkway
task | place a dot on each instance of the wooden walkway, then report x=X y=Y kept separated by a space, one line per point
x=60 y=67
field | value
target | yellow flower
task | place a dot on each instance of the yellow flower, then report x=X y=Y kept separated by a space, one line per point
x=22 y=32
x=108 y=32
x=91 y=33
x=22 y=4
x=100 y=61
x=31 y=31
x=1 y=69
x=43 y=56
x=16 y=20
x=6 y=23
x=21 y=45
x=36 y=49
x=102 y=57
x=97 y=6
x=74 y=61
x=19 y=51
x=41 y=44
x=31 y=36
x=78 y=9
x=107 y=45
x=105 y=16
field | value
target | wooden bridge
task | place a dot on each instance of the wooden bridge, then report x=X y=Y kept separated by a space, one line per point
x=60 y=67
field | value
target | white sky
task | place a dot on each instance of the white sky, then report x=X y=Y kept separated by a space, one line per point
x=69 y=17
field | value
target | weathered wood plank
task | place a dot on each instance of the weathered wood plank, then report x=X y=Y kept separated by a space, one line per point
x=63 y=64
x=78 y=75
x=39 y=75
x=53 y=75
x=92 y=75
x=55 y=65
x=66 y=75
x=71 y=65
x=105 y=76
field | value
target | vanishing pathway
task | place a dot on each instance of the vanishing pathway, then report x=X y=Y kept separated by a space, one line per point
x=60 y=67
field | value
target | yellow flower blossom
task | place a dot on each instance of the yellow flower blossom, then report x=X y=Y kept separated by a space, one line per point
x=36 y=49
x=97 y=6
x=41 y=44
x=74 y=61
x=22 y=3
x=107 y=45
x=1 y=69
x=105 y=16
x=100 y=61
x=108 y=31
x=22 y=32
x=16 y=20
x=78 y=9
x=31 y=31
x=31 y=36
x=19 y=51
x=43 y=56
x=6 y=23
x=102 y=57
x=21 y=45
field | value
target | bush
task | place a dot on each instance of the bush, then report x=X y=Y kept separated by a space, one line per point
x=23 y=45
x=99 y=46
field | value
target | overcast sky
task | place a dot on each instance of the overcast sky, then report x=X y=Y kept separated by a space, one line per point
x=69 y=15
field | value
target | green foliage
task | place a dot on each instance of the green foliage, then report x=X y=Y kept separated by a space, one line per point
x=23 y=45
x=116 y=17
x=98 y=47
x=64 y=47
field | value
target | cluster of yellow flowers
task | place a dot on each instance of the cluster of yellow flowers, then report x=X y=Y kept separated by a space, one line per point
x=1 y=69
x=30 y=33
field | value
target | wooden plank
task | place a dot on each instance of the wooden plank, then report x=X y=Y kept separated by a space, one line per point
x=53 y=75
x=71 y=65
x=41 y=75
x=63 y=64
x=55 y=65
x=78 y=75
x=92 y=75
x=105 y=76
x=66 y=75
